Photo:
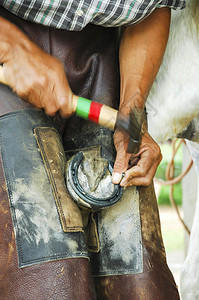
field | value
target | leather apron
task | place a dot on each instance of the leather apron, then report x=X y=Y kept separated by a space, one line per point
x=59 y=268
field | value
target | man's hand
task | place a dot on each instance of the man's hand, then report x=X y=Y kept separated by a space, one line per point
x=146 y=161
x=34 y=75
x=141 y=51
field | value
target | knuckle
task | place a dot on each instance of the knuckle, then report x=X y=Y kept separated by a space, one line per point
x=22 y=92
x=119 y=165
x=66 y=110
x=69 y=109
x=129 y=177
x=39 y=105
x=147 y=181
x=50 y=112
x=52 y=74
x=50 y=107
x=158 y=150
x=56 y=68
x=160 y=157
x=41 y=80
x=142 y=172
x=35 y=83
x=129 y=184
x=132 y=182
x=118 y=144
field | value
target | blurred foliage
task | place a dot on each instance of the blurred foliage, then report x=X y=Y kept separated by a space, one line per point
x=173 y=239
x=163 y=198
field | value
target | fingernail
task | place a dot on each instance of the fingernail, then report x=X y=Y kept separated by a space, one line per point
x=116 y=177
x=123 y=182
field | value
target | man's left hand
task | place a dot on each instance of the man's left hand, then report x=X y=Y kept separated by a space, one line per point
x=145 y=165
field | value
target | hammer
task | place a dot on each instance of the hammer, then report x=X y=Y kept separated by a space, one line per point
x=107 y=117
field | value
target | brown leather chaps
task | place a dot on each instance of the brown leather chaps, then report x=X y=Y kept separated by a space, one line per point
x=90 y=59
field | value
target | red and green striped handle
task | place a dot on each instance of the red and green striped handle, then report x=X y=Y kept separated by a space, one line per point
x=87 y=109
x=94 y=111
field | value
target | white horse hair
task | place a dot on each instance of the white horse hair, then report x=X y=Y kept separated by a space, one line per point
x=174 y=98
x=172 y=104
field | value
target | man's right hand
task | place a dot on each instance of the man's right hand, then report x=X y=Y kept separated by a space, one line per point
x=34 y=75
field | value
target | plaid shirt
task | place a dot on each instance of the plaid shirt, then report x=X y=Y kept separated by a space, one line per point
x=76 y=14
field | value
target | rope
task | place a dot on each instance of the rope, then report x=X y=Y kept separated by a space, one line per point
x=171 y=180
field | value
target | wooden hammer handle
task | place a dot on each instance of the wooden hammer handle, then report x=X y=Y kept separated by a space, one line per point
x=101 y=114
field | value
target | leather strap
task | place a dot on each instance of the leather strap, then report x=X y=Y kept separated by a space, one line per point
x=54 y=159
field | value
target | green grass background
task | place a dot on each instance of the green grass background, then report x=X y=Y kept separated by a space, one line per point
x=173 y=237
x=163 y=198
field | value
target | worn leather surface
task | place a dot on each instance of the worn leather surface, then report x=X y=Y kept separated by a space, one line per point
x=156 y=281
x=113 y=234
x=37 y=226
x=53 y=280
x=90 y=61
x=120 y=237
x=88 y=75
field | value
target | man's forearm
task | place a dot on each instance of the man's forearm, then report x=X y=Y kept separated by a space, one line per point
x=141 y=51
